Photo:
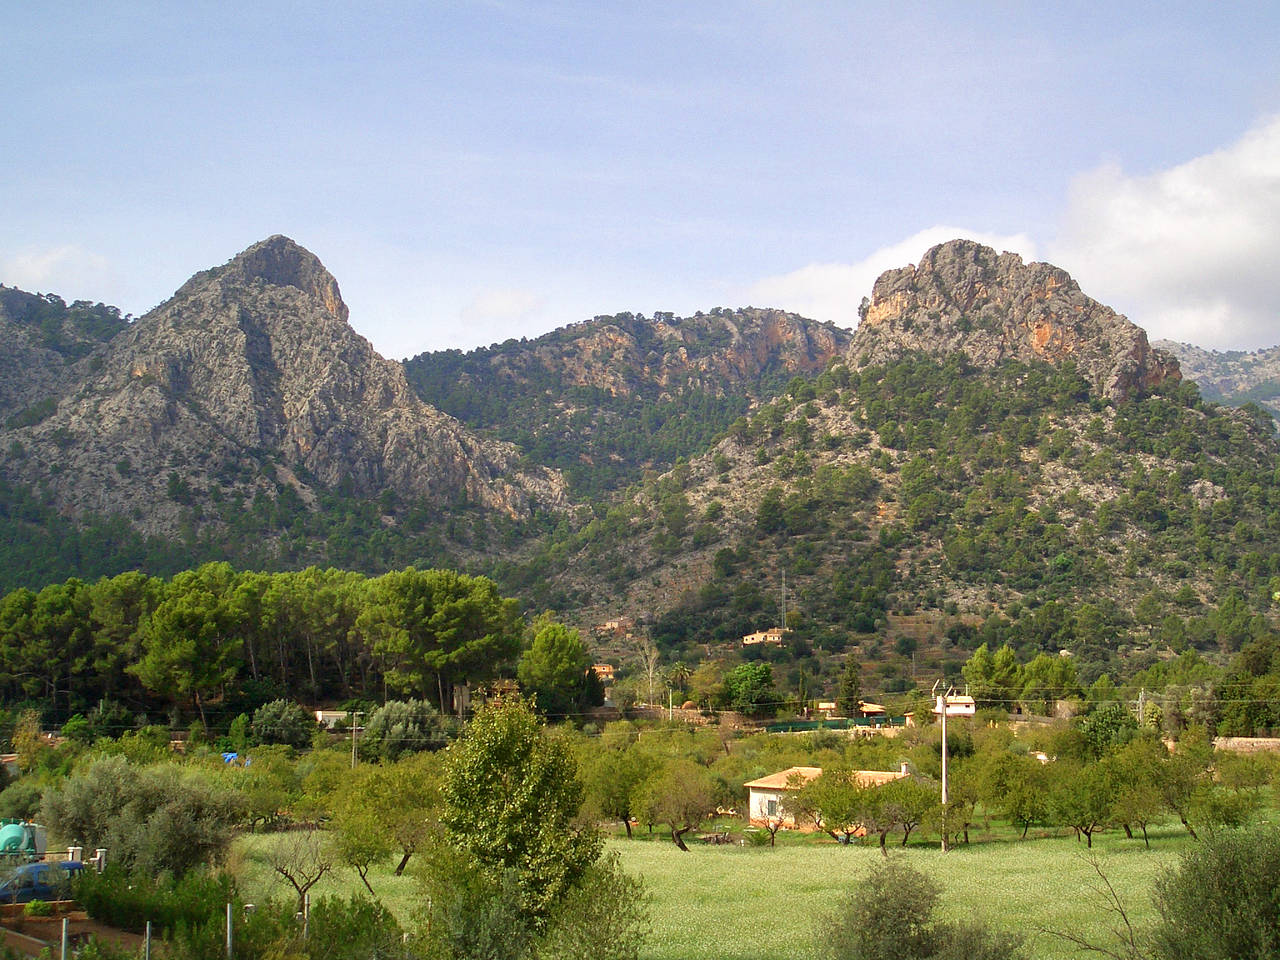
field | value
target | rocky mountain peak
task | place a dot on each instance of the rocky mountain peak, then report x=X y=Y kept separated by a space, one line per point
x=247 y=379
x=279 y=262
x=991 y=306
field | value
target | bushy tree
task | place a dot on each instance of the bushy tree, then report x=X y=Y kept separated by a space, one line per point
x=1111 y=725
x=435 y=628
x=850 y=687
x=1223 y=900
x=285 y=722
x=392 y=807
x=680 y=794
x=606 y=917
x=556 y=672
x=404 y=726
x=748 y=688
x=889 y=916
x=154 y=818
x=512 y=797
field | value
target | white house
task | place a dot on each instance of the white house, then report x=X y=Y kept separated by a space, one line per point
x=772 y=635
x=767 y=797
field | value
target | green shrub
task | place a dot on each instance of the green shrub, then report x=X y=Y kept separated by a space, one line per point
x=38 y=908
x=283 y=721
x=405 y=726
x=127 y=900
x=157 y=818
x=1223 y=900
x=890 y=917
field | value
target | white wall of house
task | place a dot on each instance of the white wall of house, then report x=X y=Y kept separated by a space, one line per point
x=769 y=804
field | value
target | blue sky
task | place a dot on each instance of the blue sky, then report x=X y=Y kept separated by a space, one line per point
x=475 y=171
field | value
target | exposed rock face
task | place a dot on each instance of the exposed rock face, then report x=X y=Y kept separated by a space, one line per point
x=250 y=377
x=992 y=307
x=1231 y=376
x=627 y=354
x=45 y=346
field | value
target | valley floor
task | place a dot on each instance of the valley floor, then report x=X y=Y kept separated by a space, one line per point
x=741 y=903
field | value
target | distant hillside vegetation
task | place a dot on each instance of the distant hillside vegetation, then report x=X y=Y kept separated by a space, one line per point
x=606 y=399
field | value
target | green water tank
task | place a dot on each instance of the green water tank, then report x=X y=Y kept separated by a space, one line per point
x=13 y=838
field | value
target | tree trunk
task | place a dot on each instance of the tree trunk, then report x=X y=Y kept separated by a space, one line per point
x=1145 y=839
x=311 y=669
x=626 y=822
x=884 y=835
x=677 y=834
x=1183 y=818
x=1127 y=832
x=403 y=862
x=364 y=878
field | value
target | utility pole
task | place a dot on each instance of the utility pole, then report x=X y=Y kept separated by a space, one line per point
x=355 y=730
x=784 y=601
x=941 y=708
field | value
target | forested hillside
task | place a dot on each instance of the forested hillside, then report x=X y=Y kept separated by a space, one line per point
x=1008 y=505
x=993 y=458
x=607 y=399
x=938 y=501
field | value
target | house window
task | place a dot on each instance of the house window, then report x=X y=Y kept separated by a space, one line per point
x=771 y=808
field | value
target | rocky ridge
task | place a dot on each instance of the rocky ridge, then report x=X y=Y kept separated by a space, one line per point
x=1231 y=376
x=247 y=379
x=965 y=297
x=625 y=354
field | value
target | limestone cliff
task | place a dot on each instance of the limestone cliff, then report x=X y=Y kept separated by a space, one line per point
x=248 y=379
x=965 y=297
x=627 y=355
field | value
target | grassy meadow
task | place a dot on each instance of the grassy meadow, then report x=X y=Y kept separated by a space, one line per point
x=743 y=902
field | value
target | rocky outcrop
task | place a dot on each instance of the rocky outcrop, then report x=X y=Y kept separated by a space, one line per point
x=250 y=379
x=965 y=297
x=626 y=355
x=45 y=347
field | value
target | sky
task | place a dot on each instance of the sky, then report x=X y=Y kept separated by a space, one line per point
x=473 y=171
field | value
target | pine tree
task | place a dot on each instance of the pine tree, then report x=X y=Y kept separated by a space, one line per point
x=850 y=687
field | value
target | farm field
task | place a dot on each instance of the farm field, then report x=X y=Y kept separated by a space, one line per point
x=737 y=903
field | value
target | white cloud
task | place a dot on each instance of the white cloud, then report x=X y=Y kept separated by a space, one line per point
x=501 y=306
x=1190 y=252
x=69 y=271
x=832 y=291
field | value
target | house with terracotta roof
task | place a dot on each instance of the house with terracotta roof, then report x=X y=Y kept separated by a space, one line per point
x=767 y=797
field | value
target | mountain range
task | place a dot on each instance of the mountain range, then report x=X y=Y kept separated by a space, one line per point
x=991 y=453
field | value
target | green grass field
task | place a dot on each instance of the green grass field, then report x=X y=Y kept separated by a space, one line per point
x=741 y=903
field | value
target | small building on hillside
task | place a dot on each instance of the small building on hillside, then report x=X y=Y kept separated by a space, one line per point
x=603 y=672
x=772 y=635
x=329 y=719
x=767 y=797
